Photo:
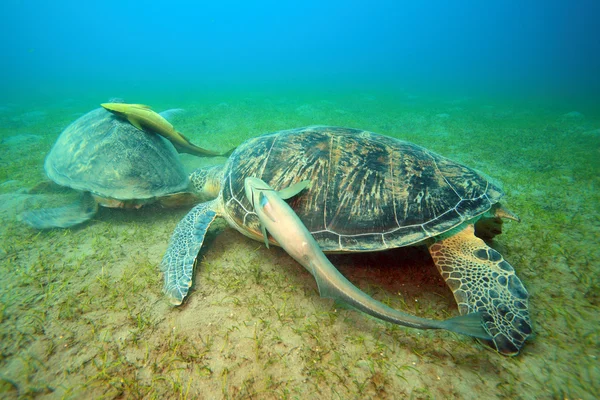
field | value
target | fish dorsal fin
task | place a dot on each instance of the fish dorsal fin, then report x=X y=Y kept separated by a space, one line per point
x=293 y=190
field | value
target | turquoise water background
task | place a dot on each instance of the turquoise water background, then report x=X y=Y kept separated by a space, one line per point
x=510 y=88
x=130 y=48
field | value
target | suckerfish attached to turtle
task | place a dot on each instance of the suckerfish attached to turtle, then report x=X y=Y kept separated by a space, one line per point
x=143 y=118
x=368 y=192
x=286 y=228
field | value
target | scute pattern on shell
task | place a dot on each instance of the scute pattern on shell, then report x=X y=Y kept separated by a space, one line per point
x=111 y=158
x=369 y=191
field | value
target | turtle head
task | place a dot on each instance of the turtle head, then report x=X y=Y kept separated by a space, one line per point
x=206 y=181
x=490 y=223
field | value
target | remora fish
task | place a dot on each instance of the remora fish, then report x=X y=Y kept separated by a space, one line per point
x=143 y=118
x=285 y=226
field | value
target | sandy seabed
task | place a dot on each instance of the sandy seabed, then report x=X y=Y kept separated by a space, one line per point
x=82 y=314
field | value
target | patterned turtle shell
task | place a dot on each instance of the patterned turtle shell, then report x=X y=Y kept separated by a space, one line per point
x=368 y=191
x=110 y=158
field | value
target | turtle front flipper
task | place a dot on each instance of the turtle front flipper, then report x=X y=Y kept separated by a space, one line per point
x=178 y=262
x=483 y=282
x=62 y=217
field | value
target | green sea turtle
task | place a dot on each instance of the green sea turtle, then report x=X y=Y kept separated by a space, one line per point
x=368 y=192
x=113 y=164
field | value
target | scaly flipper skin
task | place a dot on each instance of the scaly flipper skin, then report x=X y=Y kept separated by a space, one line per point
x=62 y=217
x=483 y=282
x=178 y=262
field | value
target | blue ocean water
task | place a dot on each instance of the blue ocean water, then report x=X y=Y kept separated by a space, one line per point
x=517 y=48
x=509 y=88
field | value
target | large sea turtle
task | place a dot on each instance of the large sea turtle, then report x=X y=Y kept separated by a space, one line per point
x=368 y=192
x=113 y=164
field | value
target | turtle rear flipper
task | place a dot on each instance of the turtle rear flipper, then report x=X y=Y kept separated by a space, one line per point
x=483 y=282
x=62 y=217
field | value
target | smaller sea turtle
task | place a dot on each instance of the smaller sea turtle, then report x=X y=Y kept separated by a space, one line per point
x=368 y=192
x=113 y=164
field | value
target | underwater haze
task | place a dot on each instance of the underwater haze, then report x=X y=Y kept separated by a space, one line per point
x=517 y=48
x=508 y=89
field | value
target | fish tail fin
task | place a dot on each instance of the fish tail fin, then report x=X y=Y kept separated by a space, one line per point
x=468 y=324
x=191 y=148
